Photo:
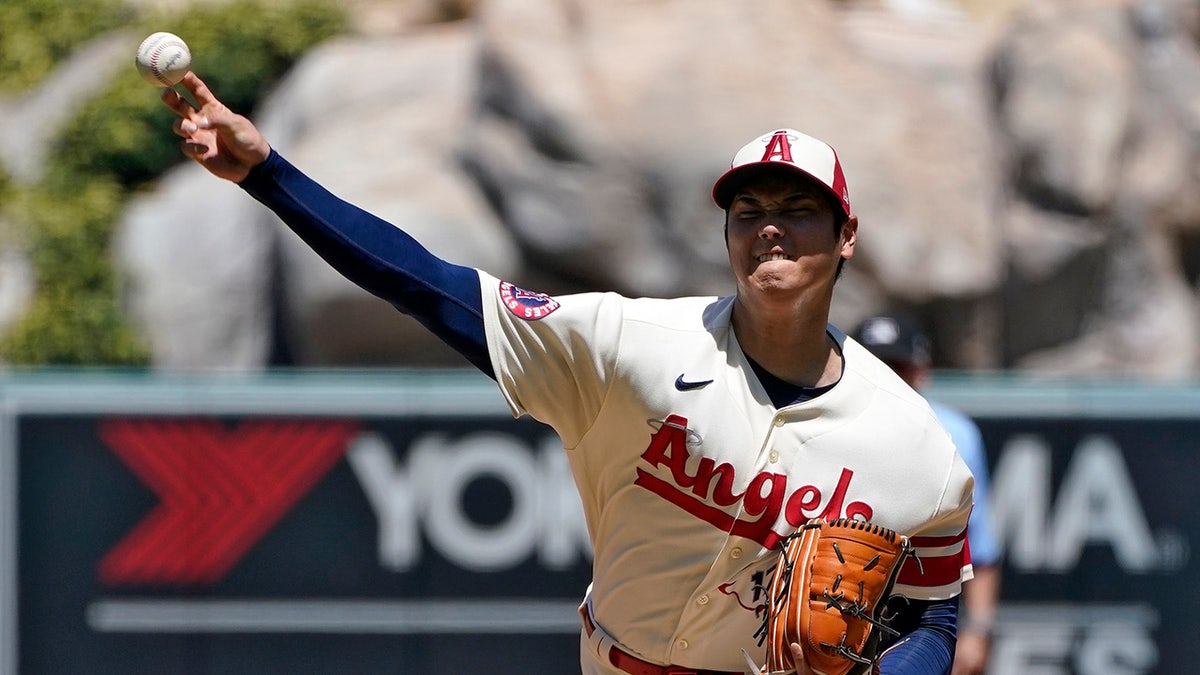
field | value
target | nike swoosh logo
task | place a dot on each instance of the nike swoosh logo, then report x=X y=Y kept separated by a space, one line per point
x=684 y=385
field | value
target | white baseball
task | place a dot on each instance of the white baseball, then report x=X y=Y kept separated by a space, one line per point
x=163 y=58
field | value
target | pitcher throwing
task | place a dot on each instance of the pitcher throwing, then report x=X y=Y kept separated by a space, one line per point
x=703 y=431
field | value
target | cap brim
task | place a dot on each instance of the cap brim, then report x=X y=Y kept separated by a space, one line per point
x=728 y=184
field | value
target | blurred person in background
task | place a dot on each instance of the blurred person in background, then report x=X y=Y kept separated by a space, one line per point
x=897 y=342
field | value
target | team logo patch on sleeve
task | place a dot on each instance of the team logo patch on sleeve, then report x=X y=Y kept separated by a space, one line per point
x=527 y=304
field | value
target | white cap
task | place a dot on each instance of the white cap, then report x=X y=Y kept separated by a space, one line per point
x=785 y=148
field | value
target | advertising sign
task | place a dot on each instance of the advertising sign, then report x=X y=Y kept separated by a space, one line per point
x=1093 y=499
x=158 y=532
x=405 y=523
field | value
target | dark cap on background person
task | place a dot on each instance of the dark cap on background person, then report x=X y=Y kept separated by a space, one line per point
x=894 y=339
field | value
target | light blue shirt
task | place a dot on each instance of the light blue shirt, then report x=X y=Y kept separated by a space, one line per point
x=981 y=534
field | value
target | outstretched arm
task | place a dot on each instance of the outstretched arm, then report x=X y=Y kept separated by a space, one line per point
x=367 y=250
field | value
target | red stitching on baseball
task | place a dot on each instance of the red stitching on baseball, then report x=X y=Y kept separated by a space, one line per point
x=154 y=62
x=154 y=54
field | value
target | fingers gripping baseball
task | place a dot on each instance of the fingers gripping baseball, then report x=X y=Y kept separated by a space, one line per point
x=225 y=143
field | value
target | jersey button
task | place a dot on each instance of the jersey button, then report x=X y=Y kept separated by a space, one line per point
x=702 y=600
x=779 y=421
x=682 y=644
x=774 y=456
x=735 y=553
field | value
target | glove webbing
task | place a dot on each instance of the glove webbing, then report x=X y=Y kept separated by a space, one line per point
x=834 y=596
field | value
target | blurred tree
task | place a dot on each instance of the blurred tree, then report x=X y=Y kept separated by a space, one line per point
x=119 y=141
x=36 y=34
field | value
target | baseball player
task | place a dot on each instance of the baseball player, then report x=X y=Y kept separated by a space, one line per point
x=701 y=431
x=898 y=342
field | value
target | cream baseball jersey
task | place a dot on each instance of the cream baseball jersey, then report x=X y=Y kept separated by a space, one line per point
x=690 y=476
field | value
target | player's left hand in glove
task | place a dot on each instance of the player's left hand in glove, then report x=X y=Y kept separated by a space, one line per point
x=825 y=612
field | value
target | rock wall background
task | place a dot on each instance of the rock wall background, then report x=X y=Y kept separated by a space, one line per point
x=1025 y=173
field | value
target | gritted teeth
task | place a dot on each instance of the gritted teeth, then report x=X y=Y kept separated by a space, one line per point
x=771 y=256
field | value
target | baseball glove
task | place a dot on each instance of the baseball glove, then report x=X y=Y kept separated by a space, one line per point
x=828 y=593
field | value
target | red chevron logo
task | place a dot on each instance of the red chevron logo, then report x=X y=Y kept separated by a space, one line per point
x=220 y=490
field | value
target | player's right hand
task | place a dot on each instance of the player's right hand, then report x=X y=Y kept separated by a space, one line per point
x=220 y=140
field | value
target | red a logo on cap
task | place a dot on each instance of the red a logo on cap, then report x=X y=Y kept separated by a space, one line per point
x=779 y=147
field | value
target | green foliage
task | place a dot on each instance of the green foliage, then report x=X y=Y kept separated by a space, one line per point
x=119 y=141
x=73 y=318
x=125 y=133
x=72 y=223
x=5 y=189
x=7 y=237
x=35 y=34
x=239 y=48
x=242 y=47
x=73 y=330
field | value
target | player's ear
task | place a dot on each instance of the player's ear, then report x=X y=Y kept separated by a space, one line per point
x=849 y=236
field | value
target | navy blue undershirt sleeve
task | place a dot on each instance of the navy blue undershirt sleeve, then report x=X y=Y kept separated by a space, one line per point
x=377 y=256
x=929 y=631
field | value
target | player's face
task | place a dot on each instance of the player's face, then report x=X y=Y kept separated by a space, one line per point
x=782 y=237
